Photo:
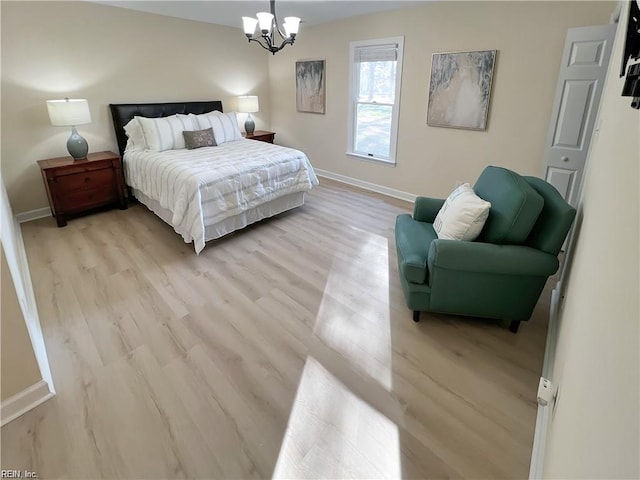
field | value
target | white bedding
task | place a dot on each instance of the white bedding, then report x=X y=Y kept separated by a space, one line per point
x=204 y=186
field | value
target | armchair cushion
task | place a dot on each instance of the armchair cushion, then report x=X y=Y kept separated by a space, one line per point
x=515 y=206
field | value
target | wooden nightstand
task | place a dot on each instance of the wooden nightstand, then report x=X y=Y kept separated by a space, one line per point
x=261 y=135
x=75 y=187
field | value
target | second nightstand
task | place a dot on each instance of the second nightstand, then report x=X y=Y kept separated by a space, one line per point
x=261 y=135
x=74 y=187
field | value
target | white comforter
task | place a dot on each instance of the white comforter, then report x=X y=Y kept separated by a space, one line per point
x=206 y=185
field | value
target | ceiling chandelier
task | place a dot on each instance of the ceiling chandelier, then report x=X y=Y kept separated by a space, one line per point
x=268 y=26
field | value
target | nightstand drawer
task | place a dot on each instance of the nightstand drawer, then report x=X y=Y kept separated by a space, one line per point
x=80 y=200
x=86 y=180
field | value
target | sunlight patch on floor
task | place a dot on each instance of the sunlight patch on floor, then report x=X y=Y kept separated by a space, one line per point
x=345 y=323
x=332 y=432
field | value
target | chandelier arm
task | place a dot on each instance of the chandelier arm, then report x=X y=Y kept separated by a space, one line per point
x=287 y=41
x=282 y=35
x=257 y=40
x=275 y=20
x=268 y=38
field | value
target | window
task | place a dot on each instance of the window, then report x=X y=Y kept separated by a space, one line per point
x=376 y=70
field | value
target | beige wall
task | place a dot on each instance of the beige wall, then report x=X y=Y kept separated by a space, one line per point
x=19 y=369
x=529 y=37
x=595 y=428
x=107 y=55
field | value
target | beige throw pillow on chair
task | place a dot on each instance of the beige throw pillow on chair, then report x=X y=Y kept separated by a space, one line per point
x=462 y=216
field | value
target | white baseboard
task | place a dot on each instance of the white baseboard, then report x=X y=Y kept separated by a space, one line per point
x=33 y=214
x=391 y=192
x=24 y=401
x=544 y=414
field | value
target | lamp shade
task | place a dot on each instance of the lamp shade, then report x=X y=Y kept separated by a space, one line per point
x=248 y=104
x=249 y=25
x=68 y=112
x=265 y=21
x=291 y=26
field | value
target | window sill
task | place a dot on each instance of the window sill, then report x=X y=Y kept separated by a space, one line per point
x=383 y=161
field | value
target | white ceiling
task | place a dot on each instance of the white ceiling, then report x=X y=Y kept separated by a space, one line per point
x=312 y=12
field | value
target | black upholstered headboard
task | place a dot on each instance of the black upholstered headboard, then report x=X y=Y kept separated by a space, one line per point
x=123 y=112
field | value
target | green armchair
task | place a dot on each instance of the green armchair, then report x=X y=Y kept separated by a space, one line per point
x=502 y=273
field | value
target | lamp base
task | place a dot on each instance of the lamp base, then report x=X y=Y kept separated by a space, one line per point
x=77 y=146
x=249 y=125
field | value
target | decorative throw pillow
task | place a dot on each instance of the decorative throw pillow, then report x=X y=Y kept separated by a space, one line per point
x=165 y=133
x=462 y=216
x=199 y=138
x=225 y=125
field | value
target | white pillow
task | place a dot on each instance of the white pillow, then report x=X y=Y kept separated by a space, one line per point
x=135 y=137
x=462 y=216
x=165 y=133
x=225 y=125
x=188 y=120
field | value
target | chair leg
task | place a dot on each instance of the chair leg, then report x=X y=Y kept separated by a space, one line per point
x=416 y=316
x=514 y=325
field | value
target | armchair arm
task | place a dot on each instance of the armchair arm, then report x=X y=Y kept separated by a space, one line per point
x=426 y=209
x=480 y=257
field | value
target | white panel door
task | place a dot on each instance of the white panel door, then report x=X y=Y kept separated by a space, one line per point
x=584 y=66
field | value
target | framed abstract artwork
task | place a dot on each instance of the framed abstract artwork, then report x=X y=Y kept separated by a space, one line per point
x=310 y=89
x=460 y=89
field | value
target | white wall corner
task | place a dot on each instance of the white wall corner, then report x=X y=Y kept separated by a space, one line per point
x=373 y=187
x=13 y=243
x=23 y=401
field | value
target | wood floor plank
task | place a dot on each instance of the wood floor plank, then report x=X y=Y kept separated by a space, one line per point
x=210 y=417
x=282 y=350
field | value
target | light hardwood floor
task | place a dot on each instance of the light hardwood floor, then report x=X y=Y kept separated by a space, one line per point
x=284 y=350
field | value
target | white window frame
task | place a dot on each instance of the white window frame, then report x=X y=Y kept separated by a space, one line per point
x=353 y=87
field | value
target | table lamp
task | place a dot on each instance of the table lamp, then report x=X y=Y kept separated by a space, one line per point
x=248 y=104
x=69 y=113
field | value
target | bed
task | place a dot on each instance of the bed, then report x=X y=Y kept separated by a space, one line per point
x=206 y=193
